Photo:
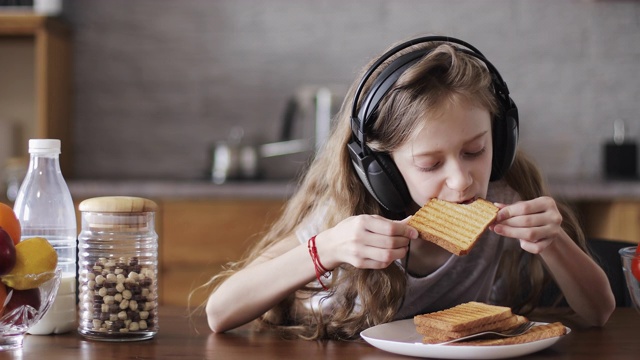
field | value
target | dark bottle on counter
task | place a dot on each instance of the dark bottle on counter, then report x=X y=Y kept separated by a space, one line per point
x=620 y=155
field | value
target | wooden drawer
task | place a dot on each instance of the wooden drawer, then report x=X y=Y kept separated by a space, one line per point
x=199 y=237
x=612 y=220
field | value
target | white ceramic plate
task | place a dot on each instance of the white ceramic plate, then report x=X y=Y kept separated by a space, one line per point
x=400 y=337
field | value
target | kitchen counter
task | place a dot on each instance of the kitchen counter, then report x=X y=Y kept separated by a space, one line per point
x=177 y=189
x=595 y=189
x=567 y=189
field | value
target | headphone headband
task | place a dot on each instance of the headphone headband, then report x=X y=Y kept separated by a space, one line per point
x=359 y=119
x=377 y=170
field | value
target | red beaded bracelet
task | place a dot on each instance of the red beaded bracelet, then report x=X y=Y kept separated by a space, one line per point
x=321 y=271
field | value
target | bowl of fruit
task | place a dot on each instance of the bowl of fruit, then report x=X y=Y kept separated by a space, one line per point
x=631 y=268
x=29 y=282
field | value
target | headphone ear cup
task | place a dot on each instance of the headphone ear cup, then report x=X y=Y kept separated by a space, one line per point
x=505 y=142
x=397 y=192
x=381 y=178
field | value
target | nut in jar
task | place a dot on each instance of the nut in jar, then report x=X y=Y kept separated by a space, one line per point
x=122 y=296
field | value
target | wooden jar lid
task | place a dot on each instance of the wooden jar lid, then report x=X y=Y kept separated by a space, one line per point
x=118 y=204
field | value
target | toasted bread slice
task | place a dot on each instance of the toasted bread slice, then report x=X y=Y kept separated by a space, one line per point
x=534 y=334
x=433 y=335
x=464 y=316
x=454 y=227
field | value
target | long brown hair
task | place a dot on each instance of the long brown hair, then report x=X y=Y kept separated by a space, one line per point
x=525 y=292
x=363 y=298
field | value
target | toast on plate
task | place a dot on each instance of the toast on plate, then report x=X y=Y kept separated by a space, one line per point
x=475 y=317
x=539 y=332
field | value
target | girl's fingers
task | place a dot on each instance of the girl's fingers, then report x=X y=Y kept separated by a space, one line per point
x=536 y=223
x=531 y=234
x=543 y=204
x=381 y=226
x=373 y=242
x=535 y=247
x=373 y=258
x=380 y=241
x=531 y=220
x=533 y=213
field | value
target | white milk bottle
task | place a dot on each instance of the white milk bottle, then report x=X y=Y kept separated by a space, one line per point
x=45 y=209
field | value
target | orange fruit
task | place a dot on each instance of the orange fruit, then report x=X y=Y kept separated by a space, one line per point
x=10 y=223
x=3 y=297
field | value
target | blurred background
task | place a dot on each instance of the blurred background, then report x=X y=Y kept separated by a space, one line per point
x=157 y=83
x=191 y=102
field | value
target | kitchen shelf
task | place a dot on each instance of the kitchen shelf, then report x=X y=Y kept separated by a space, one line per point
x=35 y=91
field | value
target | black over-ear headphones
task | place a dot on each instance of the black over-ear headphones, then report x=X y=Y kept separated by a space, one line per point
x=377 y=170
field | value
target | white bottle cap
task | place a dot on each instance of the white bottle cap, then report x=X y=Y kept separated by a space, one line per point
x=44 y=146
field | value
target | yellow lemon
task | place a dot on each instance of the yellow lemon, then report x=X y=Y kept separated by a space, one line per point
x=36 y=262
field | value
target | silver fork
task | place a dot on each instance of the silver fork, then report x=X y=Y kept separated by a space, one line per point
x=519 y=330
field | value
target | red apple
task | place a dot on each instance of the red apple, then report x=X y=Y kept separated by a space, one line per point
x=18 y=298
x=7 y=253
x=635 y=264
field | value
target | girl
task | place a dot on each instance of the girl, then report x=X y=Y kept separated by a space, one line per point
x=431 y=118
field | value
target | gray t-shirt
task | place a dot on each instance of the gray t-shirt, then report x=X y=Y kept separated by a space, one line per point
x=461 y=278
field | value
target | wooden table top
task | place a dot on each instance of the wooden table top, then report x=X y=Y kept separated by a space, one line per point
x=181 y=337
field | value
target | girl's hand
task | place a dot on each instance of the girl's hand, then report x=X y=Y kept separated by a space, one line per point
x=537 y=223
x=365 y=241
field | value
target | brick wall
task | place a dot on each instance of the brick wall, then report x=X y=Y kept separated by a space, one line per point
x=158 y=81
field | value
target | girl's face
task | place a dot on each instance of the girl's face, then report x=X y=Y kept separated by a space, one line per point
x=450 y=157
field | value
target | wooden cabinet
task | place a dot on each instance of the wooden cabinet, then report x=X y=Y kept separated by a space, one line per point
x=35 y=85
x=198 y=237
x=612 y=220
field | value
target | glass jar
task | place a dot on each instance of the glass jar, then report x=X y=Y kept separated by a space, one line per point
x=118 y=268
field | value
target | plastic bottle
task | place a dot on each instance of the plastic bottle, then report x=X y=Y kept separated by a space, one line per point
x=45 y=209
